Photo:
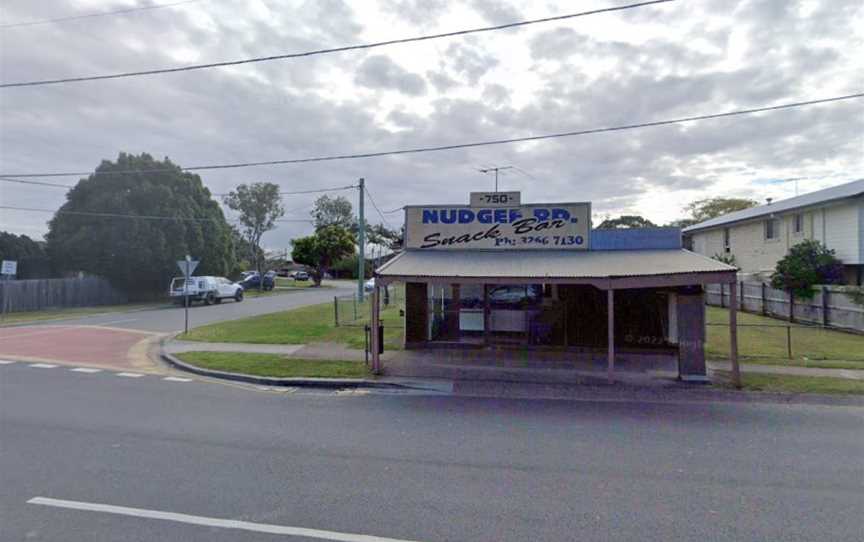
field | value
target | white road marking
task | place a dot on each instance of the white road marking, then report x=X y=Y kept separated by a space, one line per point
x=6 y=362
x=177 y=379
x=130 y=375
x=88 y=370
x=212 y=522
x=43 y=365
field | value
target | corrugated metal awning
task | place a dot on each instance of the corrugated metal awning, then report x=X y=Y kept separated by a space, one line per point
x=551 y=264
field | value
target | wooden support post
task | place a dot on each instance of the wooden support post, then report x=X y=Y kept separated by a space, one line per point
x=376 y=321
x=791 y=306
x=336 y=310
x=789 y=342
x=610 y=355
x=741 y=303
x=733 y=337
x=487 y=316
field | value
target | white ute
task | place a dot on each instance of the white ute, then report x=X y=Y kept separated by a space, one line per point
x=210 y=290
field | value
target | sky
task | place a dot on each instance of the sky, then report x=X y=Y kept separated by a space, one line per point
x=652 y=63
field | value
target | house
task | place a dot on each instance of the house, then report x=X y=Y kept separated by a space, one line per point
x=760 y=236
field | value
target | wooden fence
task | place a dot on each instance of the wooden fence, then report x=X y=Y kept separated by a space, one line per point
x=40 y=294
x=830 y=307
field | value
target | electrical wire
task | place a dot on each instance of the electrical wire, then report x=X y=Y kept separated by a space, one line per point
x=418 y=150
x=99 y=14
x=121 y=215
x=375 y=205
x=330 y=50
x=39 y=183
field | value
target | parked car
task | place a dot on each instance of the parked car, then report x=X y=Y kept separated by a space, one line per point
x=301 y=275
x=251 y=280
x=210 y=290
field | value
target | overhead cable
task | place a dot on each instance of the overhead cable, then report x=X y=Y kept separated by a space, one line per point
x=439 y=148
x=330 y=50
x=97 y=14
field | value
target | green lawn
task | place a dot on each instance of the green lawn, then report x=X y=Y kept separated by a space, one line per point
x=301 y=326
x=74 y=312
x=798 y=384
x=275 y=365
x=767 y=344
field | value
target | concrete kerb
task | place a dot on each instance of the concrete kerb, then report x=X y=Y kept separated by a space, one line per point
x=327 y=383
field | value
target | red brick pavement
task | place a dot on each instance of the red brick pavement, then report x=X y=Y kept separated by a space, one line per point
x=84 y=345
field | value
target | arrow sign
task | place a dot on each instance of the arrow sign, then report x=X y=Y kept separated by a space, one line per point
x=182 y=264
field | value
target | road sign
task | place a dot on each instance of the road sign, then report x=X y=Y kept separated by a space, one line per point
x=187 y=267
x=10 y=267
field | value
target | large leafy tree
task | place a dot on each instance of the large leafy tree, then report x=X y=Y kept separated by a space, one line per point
x=259 y=206
x=178 y=217
x=626 y=222
x=337 y=211
x=323 y=249
x=806 y=264
x=31 y=257
x=708 y=208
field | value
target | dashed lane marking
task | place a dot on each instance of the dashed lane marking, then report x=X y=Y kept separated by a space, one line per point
x=88 y=370
x=130 y=375
x=176 y=379
x=42 y=365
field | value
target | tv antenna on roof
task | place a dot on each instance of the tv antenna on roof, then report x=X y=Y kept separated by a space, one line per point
x=496 y=169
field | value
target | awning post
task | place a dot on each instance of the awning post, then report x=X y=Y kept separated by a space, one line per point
x=733 y=335
x=610 y=354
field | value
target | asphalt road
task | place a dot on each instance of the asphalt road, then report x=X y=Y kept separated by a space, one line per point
x=169 y=318
x=428 y=468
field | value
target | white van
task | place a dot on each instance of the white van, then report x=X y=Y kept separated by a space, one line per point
x=207 y=289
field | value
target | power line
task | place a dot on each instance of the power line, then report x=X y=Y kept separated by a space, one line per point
x=375 y=205
x=99 y=14
x=330 y=50
x=418 y=150
x=57 y=185
x=39 y=183
x=396 y=210
x=121 y=215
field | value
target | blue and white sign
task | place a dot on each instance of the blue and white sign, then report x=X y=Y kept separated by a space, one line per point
x=537 y=226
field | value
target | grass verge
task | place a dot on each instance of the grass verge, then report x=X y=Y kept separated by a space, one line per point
x=274 y=365
x=299 y=326
x=75 y=312
x=761 y=340
x=796 y=384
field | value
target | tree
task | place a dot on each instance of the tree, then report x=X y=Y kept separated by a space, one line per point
x=327 y=211
x=32 y=259
x=708 y=208
x=139 y=255
x=322 y=249
x=806 y=264
x=259 y=206
x=626 y=222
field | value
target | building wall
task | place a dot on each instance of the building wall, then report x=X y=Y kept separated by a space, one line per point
x=839 y=227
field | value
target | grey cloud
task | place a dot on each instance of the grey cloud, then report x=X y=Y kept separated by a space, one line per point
x=469 y=61
x=379 y=72
x=418 y=12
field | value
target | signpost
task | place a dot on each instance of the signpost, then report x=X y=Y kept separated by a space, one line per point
x=10 y=267
x=187 y=267
x=8 y=270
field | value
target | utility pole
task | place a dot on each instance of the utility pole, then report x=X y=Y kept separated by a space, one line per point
x=361 y=241
x=496 y=170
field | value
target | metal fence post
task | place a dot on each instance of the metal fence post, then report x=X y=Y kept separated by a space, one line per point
x=741 y=293
x=791 y=306
x=355 y=307
x=336 y=310
x=789 y=341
